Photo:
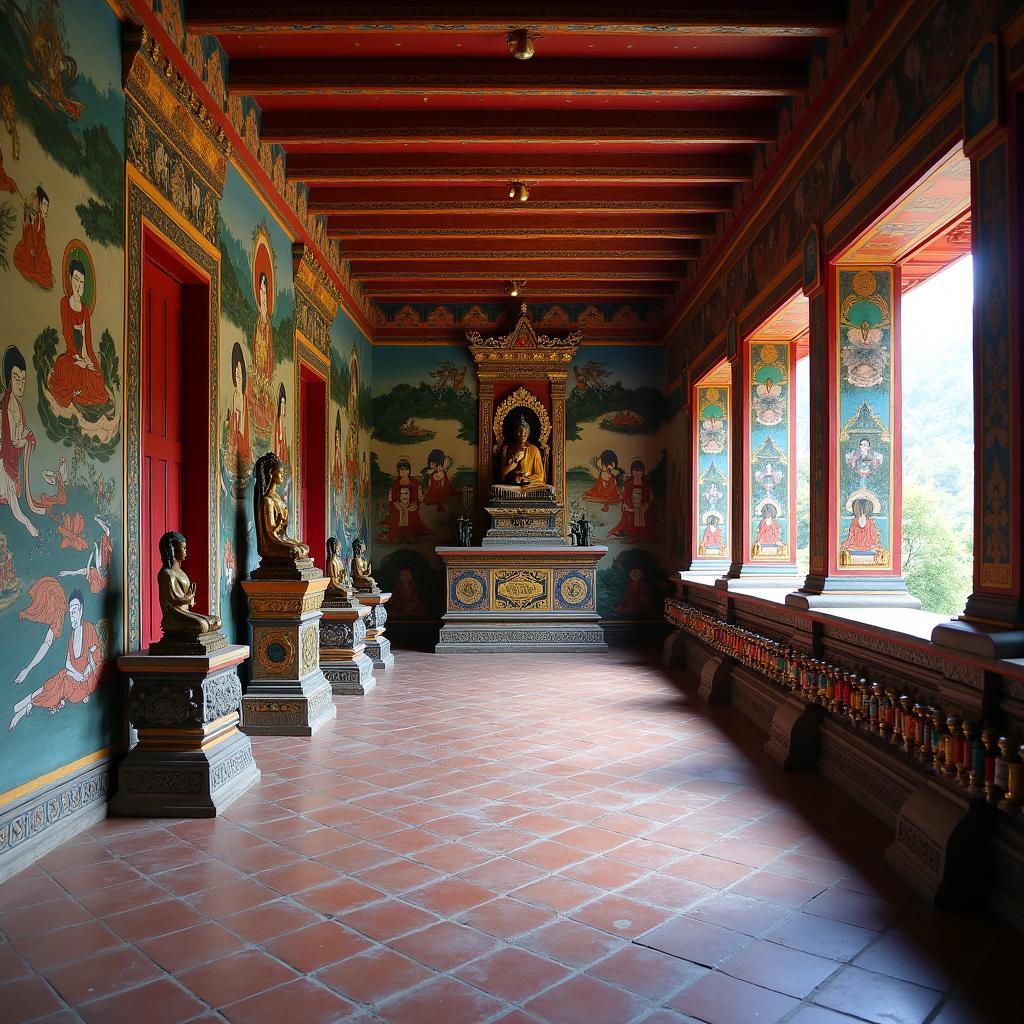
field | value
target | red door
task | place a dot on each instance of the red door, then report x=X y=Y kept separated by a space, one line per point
x=313 y=471
x=162 y=441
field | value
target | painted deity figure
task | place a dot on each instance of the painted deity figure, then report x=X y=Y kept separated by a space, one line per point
x=97 y=567
x=405 y=602
x=637 y=602
x=712 y=435
x=76 y=380
x=863 y=459
x=361 y=568
x=263 y=336
x=76 y=681
x=769 y=530
x=404 y=522
x=637 y=519
x=239 y=452
x=439 y=486
x=177 y=593
x=30 y=255
x=17 y=442
x=337 y=477
x=270 y=514
x=280 y=448
x=606 y=487
x=863 y=536
x=711 y=542
x=521 y=462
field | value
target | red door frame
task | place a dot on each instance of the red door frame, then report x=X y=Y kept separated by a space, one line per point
x=195 y=427
x=312 y=470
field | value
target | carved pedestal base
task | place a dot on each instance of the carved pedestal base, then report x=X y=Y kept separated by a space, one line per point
x=288 y=694
x=378 y=646
x=343 y=656
x=525 y=521
x=794 y=741
x=532 y=598
x=191 y=761
x=940 y=846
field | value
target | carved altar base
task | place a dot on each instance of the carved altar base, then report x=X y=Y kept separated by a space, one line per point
x=343 y=657
x=530 y=598
x=288 y=694
x=516 y=523
x=378 y=646
x=191 y=761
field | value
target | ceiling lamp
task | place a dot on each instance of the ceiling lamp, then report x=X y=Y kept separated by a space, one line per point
x=518 y=191
x=515 y=287
x=520 y=44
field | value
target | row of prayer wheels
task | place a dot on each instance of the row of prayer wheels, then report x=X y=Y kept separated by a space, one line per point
x=973 y=756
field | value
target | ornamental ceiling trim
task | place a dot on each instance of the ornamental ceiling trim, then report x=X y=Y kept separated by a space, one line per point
x=175 y=108
x=524 y=344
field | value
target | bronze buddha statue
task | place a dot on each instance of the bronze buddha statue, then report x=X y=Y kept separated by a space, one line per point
x=339 y=586
x=184 y=630
x=361 y=569
x=270 y=515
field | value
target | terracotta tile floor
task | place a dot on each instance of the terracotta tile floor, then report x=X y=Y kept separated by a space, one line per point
x=521 y=840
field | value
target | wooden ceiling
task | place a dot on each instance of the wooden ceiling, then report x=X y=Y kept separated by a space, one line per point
x=632 y=127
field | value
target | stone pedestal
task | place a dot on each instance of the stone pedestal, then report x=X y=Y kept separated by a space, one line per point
x=343 y=657
x=191 y=761
x=378 y=646
x=519 y=521
x=288 y=694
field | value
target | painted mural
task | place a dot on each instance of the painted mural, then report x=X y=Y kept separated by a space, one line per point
x=711 y=500
x=257 y=376
x=348 y=449
x=61 y=268
x=772 y=444
x=865 y=368
x=618 y=473
x=676 y=440
x=423 y=468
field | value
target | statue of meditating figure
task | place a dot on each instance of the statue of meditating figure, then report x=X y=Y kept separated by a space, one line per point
x=276 y=549
x=339 y=586
x=184 y=630
x=519 y=469
x=361 y=569
x=521 y=462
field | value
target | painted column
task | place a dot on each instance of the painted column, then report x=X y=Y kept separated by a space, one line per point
x=712 y=412
x=993 y=622
x=764 y=498
x=856 y=506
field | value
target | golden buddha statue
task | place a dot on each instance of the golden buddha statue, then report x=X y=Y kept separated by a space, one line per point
x=521 y=462
x=184 y=630
x=339 y=587
x=361 y=568
x=270 y=512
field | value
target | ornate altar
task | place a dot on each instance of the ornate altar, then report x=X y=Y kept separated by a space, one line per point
x=526 y=587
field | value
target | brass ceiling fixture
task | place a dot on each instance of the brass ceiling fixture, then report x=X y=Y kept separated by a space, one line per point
x=520 y=43
x=518 y=191
x=515 y=287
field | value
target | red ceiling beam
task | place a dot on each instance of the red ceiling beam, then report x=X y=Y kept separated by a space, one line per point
x=735 y=17
x=335 y=168
x=546 y=199
x=516 y=128
x=603 y=291
x=319 y=76
x=515 y=249
x=500 y=226
x=550 y=269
